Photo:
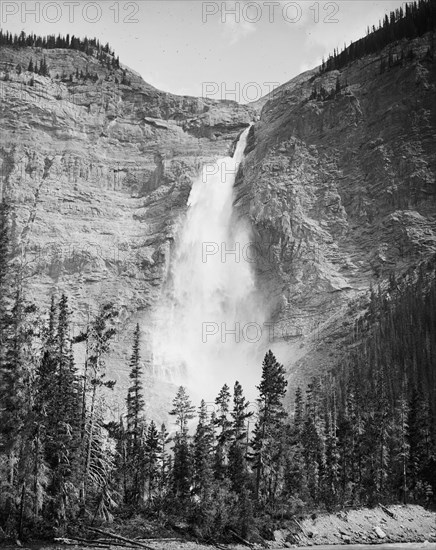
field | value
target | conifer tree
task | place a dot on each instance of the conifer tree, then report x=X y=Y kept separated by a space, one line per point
x=202 y=453
x=421 y=454
x=182 y=466
x=135 y=421
x=63 y=448
x=268 y=433
x=313 y=439
x=295 y=481
x=331 y=474
x=135 y=398
x=98 y=338
x=311 y=445
x=223 y=425
x=16 y=371
x=152 y=451
x=165 y=461
x=183 y=410
x=298 y=411
x=8 y=432
x=239 y=439
x=239 y=413
x=349 y=436
x=399 y=450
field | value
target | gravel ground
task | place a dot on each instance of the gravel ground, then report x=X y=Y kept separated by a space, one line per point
x=394 y=524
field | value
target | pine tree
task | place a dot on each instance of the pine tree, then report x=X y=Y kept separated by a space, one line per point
x=182 y=466
x=152 y=450
x=100 y=489
x=239 y=439
x=295 y=481
x=202 y=453
x=313 y=440
x=117 y=432
x=331 y=475
x=8 y=431
x=183 y=410
x=98 y=338
x=223 y=424
x=240 y=413
x=165 y=461
x=268 y=434
x=135 y=420
x=135 y=398
x=43 y=412
x=43 y=69
x=421 y=454
x=349 y=435
x=399 y=450
x=311 y=444
x=63 y=449
x=16 y=370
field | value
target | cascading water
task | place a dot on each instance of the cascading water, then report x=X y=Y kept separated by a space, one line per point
x=207 y=326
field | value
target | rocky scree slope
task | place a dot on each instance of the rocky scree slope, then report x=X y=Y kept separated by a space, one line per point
x=340 y=193
x=99 y=168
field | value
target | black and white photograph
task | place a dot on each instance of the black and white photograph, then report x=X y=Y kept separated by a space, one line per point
x=217 y=274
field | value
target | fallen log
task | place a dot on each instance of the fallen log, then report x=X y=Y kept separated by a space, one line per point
x=79 y=542
x=388 y=512
x=94 y=542
x=111 y=541
x=164 y=539
x=300 y=526
x=238 y=537
x=119 y=537
x=219 y=546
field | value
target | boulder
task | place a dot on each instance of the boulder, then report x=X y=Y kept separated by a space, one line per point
x=379 y=532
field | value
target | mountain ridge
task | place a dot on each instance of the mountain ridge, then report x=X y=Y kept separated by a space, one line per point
x=99 y=175
x=111 y=167
x=341 y=186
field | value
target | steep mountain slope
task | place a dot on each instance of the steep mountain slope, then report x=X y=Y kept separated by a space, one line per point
x=99 y=165
x=339 y=184
x=339 y=187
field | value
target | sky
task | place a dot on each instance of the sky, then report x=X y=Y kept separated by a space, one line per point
x=222 y=49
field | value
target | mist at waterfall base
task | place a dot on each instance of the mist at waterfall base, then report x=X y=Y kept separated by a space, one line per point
x=205 y=331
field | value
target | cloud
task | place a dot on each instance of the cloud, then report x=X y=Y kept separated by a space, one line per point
x=238 y=21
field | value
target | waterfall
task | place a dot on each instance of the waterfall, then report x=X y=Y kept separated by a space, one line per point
x=206 y=327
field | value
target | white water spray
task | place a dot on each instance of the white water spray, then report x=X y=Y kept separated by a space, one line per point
x=207 y=326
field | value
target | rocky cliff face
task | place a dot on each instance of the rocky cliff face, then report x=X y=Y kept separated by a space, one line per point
x=99 y=172
x=340 y=192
